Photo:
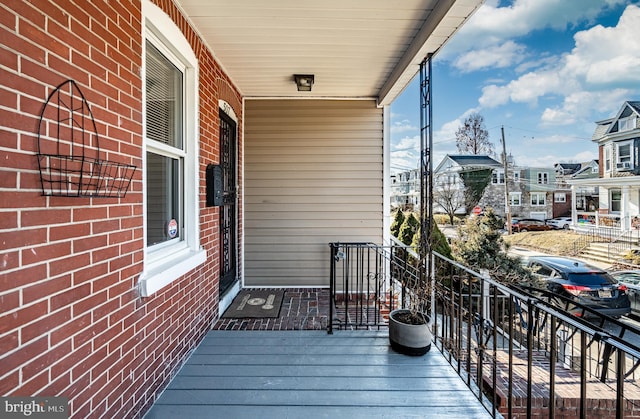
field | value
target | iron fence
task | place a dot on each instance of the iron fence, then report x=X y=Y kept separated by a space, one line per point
x=523 y=352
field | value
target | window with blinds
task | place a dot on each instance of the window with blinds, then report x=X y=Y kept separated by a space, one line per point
x=165 y=150
x=164 y=99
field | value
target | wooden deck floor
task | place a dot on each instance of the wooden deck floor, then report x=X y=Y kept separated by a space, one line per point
x=310 y=374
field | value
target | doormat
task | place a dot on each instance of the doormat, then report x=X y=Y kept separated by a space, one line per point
x=250 y=303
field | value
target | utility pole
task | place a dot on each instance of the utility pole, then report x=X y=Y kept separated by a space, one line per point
x=507 y=205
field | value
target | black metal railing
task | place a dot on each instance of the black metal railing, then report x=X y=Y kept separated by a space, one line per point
x=522 y=351
x=365 y=283
x=616 y=238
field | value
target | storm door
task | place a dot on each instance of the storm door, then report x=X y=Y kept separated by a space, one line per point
x=228 y=210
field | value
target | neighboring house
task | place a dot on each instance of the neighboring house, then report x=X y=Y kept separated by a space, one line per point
x=405 y=190
x=447 y=180
x=243 y=172
x=539 y=186
x=586 y=197
x=618 y=184
x=530 y=190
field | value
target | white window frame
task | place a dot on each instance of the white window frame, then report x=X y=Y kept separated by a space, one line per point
x=169 y=261
x=627 y=124
x=625 y=158
x=538 y=202
x=615 y=208
x=543 y=178
x=607 y=158
x=515 y=199
x=516 y=176
x=497 y=177
x=559 y=197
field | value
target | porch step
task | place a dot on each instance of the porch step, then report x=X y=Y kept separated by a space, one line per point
x=599 y=252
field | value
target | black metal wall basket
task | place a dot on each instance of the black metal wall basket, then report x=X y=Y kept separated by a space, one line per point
x=69 y=156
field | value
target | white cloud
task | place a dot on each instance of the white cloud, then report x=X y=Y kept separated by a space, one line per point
x=605 y=56
x=526 y=89
x=407 y=143
x=578 y=106
x=587 y=79
x=405 y=154
x=492 y=25
x=496 y=56
x=404 y=125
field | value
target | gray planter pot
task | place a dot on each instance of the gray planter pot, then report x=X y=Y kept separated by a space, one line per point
x=409 y=339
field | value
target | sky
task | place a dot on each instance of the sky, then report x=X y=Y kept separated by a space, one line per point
x=545 y=70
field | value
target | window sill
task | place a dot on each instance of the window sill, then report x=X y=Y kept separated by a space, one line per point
x=162 y=274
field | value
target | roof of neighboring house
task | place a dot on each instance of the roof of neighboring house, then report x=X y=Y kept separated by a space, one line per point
x=465 y=161
x=610 y=126
x=586 y=170
x=474 y=160
x=568 y=168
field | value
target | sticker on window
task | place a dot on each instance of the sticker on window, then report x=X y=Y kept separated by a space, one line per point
x=172 y=229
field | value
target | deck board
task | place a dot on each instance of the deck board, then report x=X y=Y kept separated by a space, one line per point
x=310 y=374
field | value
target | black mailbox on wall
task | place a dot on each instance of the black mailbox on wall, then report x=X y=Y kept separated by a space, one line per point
x=214 y=185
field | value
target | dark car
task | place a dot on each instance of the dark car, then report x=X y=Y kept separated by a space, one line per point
x=582 y=283
x=632 y=281
x=530 y=224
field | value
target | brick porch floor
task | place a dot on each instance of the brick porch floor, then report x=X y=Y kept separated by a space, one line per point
x=302 y=309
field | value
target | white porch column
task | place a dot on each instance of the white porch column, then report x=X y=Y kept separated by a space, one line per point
x=625 y=221
x=574 y=212
x=386 y=175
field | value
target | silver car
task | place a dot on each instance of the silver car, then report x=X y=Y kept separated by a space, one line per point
x=632 y=280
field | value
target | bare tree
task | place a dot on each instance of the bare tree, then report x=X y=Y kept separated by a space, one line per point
x=473 y=138
x=448 y=194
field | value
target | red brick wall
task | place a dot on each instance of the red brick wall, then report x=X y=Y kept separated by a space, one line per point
x=600 y=161
x=71 y=320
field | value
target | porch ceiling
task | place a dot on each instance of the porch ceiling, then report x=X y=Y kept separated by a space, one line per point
x=355 y=48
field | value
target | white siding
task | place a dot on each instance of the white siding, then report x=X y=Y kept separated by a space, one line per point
x=313 y=175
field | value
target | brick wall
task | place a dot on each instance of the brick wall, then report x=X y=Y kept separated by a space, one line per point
x=71 y=320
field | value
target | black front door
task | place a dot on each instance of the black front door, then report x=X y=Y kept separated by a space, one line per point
x=228 y=210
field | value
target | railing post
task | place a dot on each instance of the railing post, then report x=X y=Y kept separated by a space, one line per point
x=332 y=288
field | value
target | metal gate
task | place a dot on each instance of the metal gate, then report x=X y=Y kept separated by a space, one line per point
x=228 y=210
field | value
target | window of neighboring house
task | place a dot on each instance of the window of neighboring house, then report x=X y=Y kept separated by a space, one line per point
x=497 y=177
x=171 y=182
x=615 y=200
x=559 y=197
x=543 y=178
x=624 y=154
x=516 y=176
x=626 y=124
x=607 y=158
x=538 y=199
x=515 y=199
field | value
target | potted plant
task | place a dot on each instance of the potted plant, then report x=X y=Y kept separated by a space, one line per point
x=410 y=332
x=410 y=328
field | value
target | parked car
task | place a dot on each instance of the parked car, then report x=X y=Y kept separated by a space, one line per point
x=582 y=283
x=632 y=281
x=560 y=223
x=513 y=221
x=530 y=224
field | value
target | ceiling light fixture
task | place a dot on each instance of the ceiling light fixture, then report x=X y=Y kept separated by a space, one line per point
x=304 y=82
